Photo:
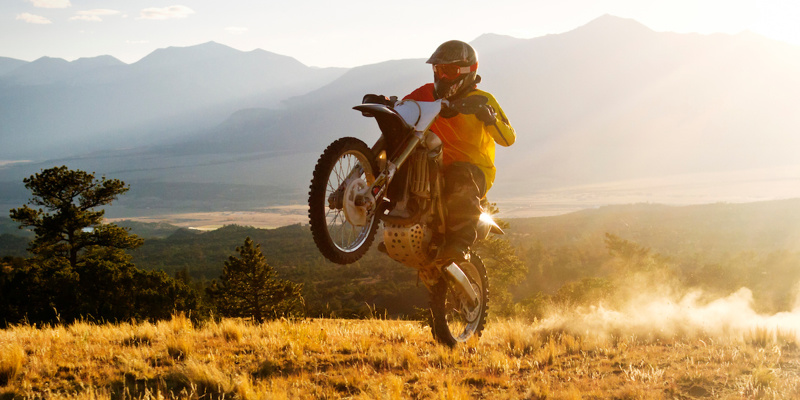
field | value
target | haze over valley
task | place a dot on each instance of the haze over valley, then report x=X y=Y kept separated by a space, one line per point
x=611 y=112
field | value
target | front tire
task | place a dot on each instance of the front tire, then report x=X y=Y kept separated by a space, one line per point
x=452 y=320
x=342 y=230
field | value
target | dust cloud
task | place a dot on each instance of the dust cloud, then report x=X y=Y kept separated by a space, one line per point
x=666 y=313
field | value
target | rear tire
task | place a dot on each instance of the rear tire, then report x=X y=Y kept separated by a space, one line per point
x=342 y=230
x=452 y=321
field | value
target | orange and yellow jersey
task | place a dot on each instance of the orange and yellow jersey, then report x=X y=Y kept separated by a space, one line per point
x=466 y=138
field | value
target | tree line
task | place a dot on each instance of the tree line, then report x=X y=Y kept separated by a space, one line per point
x=81 y=267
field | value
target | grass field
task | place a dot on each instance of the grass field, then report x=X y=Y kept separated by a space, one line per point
x=384 y=359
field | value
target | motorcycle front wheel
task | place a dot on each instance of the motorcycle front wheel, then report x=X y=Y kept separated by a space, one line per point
x=453 y=320
x=342 y=226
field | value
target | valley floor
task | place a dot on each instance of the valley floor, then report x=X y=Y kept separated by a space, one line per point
x=380 y=359
x=523 y=200
x=267 y=218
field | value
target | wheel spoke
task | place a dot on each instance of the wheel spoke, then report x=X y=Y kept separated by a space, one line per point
x=340 y=228
x=345 y=235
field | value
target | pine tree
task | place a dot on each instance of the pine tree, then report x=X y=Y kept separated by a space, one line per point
x=249 y=287
x=81 y=268
x=69 y=224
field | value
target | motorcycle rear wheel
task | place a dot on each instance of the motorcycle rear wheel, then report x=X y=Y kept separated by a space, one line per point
x=342 y=230
x=452 y=320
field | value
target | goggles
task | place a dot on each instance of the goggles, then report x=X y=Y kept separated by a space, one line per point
x=452 y=71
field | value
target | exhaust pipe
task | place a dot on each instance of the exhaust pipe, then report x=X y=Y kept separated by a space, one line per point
x=454 y=273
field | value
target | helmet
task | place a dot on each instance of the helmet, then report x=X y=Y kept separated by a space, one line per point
x=455 y=69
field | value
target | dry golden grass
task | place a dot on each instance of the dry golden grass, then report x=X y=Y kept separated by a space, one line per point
x=379 y=359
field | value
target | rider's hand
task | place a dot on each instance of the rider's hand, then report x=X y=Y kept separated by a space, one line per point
x=374 y=99
x=379 y=99
x=486 y=114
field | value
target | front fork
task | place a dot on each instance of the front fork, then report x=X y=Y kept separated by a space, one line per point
x=368 y=197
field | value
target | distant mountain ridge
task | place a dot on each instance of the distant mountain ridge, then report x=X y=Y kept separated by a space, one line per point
x=10 y=64
x=611 y=100
x=47 y=70
x=51 y=107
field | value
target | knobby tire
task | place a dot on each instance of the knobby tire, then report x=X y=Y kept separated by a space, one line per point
x=337 y=239
x=445 y=310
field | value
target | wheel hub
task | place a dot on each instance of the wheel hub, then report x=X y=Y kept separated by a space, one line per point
x=470 y=314
x=355 y=214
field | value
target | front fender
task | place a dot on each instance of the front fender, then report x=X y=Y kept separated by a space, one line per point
x=389 y=121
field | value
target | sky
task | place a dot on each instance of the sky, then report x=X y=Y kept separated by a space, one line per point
x=350 y=33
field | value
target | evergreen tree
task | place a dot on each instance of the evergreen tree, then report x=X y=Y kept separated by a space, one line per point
x=81 y=268
x=69 y=223
x=249 y=287
x=111 y=288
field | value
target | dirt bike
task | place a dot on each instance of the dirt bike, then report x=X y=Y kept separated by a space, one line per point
x=398 y=182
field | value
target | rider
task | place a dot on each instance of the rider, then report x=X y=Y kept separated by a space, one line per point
x=468 y=142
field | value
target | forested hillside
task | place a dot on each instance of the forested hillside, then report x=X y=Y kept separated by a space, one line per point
x=375 y=282
x=712 y=230
x=717 y=247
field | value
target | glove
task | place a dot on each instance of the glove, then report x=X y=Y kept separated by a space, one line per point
x=448 y=112
x=486 y=114
x=378 y=99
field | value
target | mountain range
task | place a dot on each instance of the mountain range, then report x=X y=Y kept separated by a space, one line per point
x=52 y=108
x=610 y=101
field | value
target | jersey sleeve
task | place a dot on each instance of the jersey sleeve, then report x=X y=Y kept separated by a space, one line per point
x=502 y=132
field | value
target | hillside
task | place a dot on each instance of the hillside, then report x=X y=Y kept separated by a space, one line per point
x=610 y=100
x=596 y=317
x=709 y=230
x=718 y=248
x=377 y=359
x=9 y=64
x=713 y=230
